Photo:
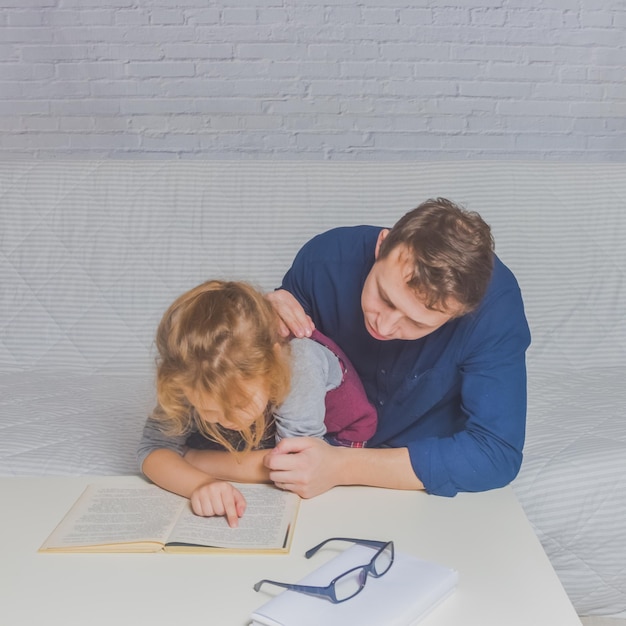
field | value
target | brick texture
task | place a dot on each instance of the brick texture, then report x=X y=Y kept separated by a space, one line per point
x=308 y=79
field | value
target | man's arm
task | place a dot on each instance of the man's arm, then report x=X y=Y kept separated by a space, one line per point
x=309 y=467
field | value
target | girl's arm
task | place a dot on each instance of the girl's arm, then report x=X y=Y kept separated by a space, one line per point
x=167 y=469
x=166 y=461
x=208 y=495
x=244 y=468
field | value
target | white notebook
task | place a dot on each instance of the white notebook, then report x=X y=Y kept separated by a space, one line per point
x=405 y=594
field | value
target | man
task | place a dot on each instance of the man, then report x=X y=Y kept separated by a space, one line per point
x=434 y=324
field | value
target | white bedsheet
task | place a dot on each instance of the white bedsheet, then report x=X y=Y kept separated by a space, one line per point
x=70 y=423
x=572 y=483
x=92 y=252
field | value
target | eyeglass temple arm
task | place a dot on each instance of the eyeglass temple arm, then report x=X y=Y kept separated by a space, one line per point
x=364 y=542
x=313 y=591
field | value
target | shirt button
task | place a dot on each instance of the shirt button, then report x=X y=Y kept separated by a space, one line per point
x=381 y=402
x=383 y=371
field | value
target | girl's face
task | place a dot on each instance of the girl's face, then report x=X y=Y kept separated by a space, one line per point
x=240 y=417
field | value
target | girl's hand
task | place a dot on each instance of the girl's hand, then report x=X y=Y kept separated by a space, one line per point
x=293 y=319
x=218 y=498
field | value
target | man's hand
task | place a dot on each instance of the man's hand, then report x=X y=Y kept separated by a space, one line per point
x=293 y=319
x=309 y=466
x=218 y=498
x=305 y=465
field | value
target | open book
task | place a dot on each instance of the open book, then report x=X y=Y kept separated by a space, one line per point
x=150 y=519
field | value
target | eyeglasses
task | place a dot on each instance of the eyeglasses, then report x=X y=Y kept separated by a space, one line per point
x=348 y=584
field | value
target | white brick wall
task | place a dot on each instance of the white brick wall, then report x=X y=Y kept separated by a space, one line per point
x=313 y=79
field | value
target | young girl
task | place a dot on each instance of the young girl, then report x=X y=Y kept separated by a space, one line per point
x=228 y=382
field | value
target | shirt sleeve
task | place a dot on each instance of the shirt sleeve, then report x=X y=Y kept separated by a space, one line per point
x=153 y=438
x=315 y=370
x=487 y=452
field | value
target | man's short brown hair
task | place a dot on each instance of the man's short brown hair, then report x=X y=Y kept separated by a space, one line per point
x=452 y=253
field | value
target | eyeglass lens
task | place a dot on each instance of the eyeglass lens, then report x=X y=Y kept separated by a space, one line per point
x=350 y=583
x=382 y=561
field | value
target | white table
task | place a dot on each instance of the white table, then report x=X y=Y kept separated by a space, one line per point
x=505 y=577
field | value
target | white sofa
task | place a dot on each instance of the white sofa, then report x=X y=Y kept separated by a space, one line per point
x=91 y=253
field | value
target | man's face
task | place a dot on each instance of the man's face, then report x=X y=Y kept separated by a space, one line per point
x=392 y=309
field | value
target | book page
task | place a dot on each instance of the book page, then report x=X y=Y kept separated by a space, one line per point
x=111 y=515
x=267 y=523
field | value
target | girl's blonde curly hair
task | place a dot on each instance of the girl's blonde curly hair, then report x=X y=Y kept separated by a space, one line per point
x=216 y=339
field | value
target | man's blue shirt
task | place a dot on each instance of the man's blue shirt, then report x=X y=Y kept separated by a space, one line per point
x=455 y=398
